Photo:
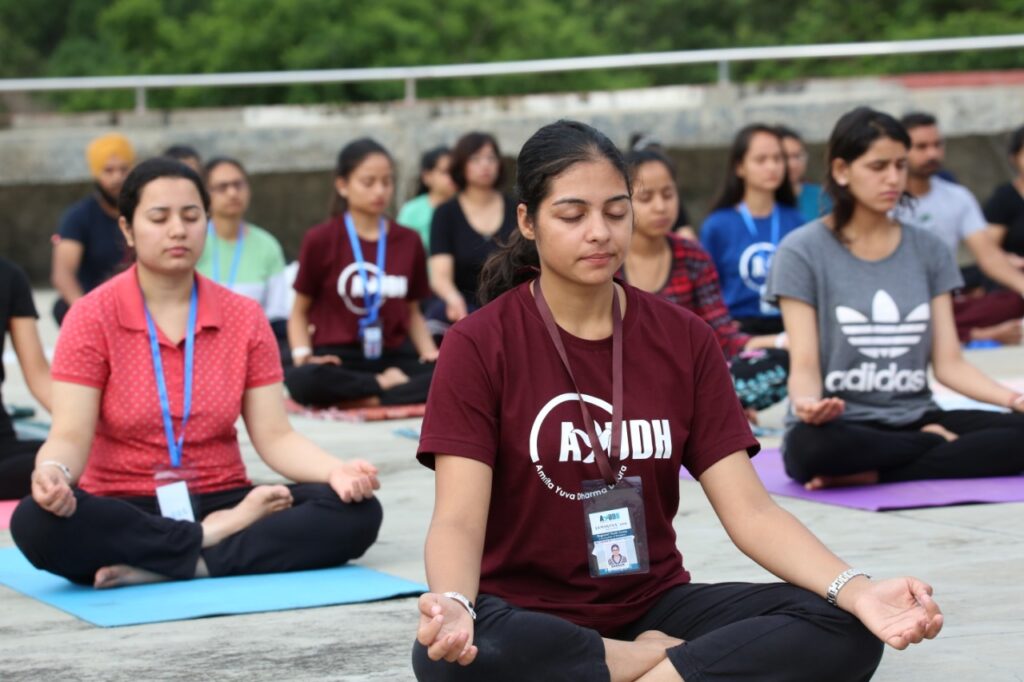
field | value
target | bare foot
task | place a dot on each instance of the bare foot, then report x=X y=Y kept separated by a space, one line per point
x=863 y=478
x=261 y=501
x=120 y=574
x=940 y=431
x=660 y=638
x=392 y=377
x=1008 y=333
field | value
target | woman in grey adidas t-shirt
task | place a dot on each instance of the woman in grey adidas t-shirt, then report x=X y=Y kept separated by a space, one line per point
x=866 y=303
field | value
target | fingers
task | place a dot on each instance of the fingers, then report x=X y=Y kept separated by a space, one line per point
x=429 y=629
x=449 y=647
x=468 y=655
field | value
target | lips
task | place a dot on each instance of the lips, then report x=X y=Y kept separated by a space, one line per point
x=178 y=251
x=597 y=258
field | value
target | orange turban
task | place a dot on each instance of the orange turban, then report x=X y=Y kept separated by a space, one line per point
x=101 y=149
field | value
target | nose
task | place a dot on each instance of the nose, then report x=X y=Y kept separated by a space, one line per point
x=597 y=229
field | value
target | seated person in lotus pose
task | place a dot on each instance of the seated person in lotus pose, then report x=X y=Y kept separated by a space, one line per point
x=866 y=302
x=357 y=334
x=141 y=478
x=527 y=496
x=680 y=271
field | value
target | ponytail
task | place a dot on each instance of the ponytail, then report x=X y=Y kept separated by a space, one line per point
x=515 y=262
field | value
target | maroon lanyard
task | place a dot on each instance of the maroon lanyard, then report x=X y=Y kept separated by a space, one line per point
x=602 y=457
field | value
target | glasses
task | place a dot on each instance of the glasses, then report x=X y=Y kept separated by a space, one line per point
x=221 y=187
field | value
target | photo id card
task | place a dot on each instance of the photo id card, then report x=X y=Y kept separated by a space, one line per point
x=373 y=341
x=175 y=502
x=616 y=528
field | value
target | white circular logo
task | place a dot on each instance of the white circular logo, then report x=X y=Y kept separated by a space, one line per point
x=538 y=422
x=348 y=280
x=755 y=262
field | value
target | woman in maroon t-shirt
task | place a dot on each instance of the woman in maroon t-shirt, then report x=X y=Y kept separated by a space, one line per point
x=681 y=271
x=516 y=474
x=369 y=343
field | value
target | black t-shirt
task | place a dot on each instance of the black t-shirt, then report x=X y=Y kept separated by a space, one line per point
x=1006 y=207
x=451 y=233
x=103 y=245
x=15 y=301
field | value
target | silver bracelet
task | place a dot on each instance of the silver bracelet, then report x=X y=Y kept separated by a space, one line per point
x=464 y=600
x=60 y=465
x=832 y=596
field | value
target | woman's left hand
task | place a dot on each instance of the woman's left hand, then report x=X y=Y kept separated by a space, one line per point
x=899 y=611
x=354 y=481
x=429 y=356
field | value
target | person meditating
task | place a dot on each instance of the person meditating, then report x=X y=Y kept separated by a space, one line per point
x=141 y=478
x=559 y=413
x=357 y=334
x=866 y=301
x=680 y=271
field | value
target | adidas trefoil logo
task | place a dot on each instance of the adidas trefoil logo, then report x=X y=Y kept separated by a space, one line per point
x=885 y=335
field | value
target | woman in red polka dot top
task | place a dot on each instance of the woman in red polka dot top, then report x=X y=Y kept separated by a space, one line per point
x=141 y=478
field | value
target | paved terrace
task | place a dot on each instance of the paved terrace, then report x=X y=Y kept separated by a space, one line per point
x=973 y=555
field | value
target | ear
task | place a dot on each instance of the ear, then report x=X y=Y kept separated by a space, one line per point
x=126 y=231
x=525 y=223
x=341 y=186
x=840 y=172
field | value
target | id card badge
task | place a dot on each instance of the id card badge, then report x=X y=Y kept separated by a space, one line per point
x=373 y=341
x=173 y=496
x=616 y=527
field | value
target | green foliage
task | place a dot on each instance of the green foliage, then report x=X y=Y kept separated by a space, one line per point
x=118 y=37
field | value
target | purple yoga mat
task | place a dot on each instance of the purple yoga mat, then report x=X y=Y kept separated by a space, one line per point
x=885 y=496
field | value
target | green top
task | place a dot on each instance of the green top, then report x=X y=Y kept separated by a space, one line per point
x=417 y=214
x=260 y=270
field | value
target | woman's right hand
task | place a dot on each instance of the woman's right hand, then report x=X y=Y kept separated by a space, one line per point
x=51 y=491
x=817 y=411
x=455 y=307
x=446 y=629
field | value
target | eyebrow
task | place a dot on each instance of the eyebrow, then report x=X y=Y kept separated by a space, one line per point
x=574 y=200
x=170 y=208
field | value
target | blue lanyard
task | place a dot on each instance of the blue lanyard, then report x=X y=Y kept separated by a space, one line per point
x=174 y=445
x=215 y=254
x=372 y=299
x=748 y=220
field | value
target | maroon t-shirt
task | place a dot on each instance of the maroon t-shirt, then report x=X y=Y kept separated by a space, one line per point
x=500 y=395
x=329 y=275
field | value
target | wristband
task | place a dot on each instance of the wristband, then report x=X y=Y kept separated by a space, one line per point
x=464 y=600
x=780 y=339
x=301 y=352
x=832 y=595
x=60 y=465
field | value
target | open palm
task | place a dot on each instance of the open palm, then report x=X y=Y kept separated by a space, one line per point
x=899 y=611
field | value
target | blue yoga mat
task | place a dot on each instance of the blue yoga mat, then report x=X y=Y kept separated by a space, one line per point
x=184 y=600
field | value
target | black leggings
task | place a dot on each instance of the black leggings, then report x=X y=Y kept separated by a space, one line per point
x=760 y=376
x=733 y=631
x=989 y=444
x=17 y=460
x=356 y=377
x=318 y=531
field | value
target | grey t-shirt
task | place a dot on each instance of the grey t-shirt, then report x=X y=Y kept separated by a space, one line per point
x=874 y=317
x=948 y=210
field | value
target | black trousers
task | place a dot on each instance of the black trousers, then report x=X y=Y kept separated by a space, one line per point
x=733 y=631
x=318 y=531
x=760 y=376
x=356 y=377
x=989 y=444
x=759 y=326
x=17 y=460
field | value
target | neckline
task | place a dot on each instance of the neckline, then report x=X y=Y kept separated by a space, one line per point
x=668 y=274
x=866 y=261
x=605 y=344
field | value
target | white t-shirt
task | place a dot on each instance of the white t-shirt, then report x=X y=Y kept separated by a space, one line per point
x=948 y=210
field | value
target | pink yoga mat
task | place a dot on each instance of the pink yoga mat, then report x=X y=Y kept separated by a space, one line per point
x=6 y=509
x=885 y=496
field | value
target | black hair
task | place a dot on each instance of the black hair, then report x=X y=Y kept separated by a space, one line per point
x=349 y=158
x=639 y=157
x=181 y=152
x=154 y=169
x=210 y=165
x=428 y=162
x=787 y=133
x=852 y=136
x=468 y=145
x=548 y=153
x=733 y=187
x=1016 y=142
x=917 y=119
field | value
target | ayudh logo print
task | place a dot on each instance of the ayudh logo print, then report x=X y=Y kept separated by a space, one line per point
x=884 y=335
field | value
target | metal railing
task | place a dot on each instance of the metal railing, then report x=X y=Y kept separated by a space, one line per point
x=411 y=74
